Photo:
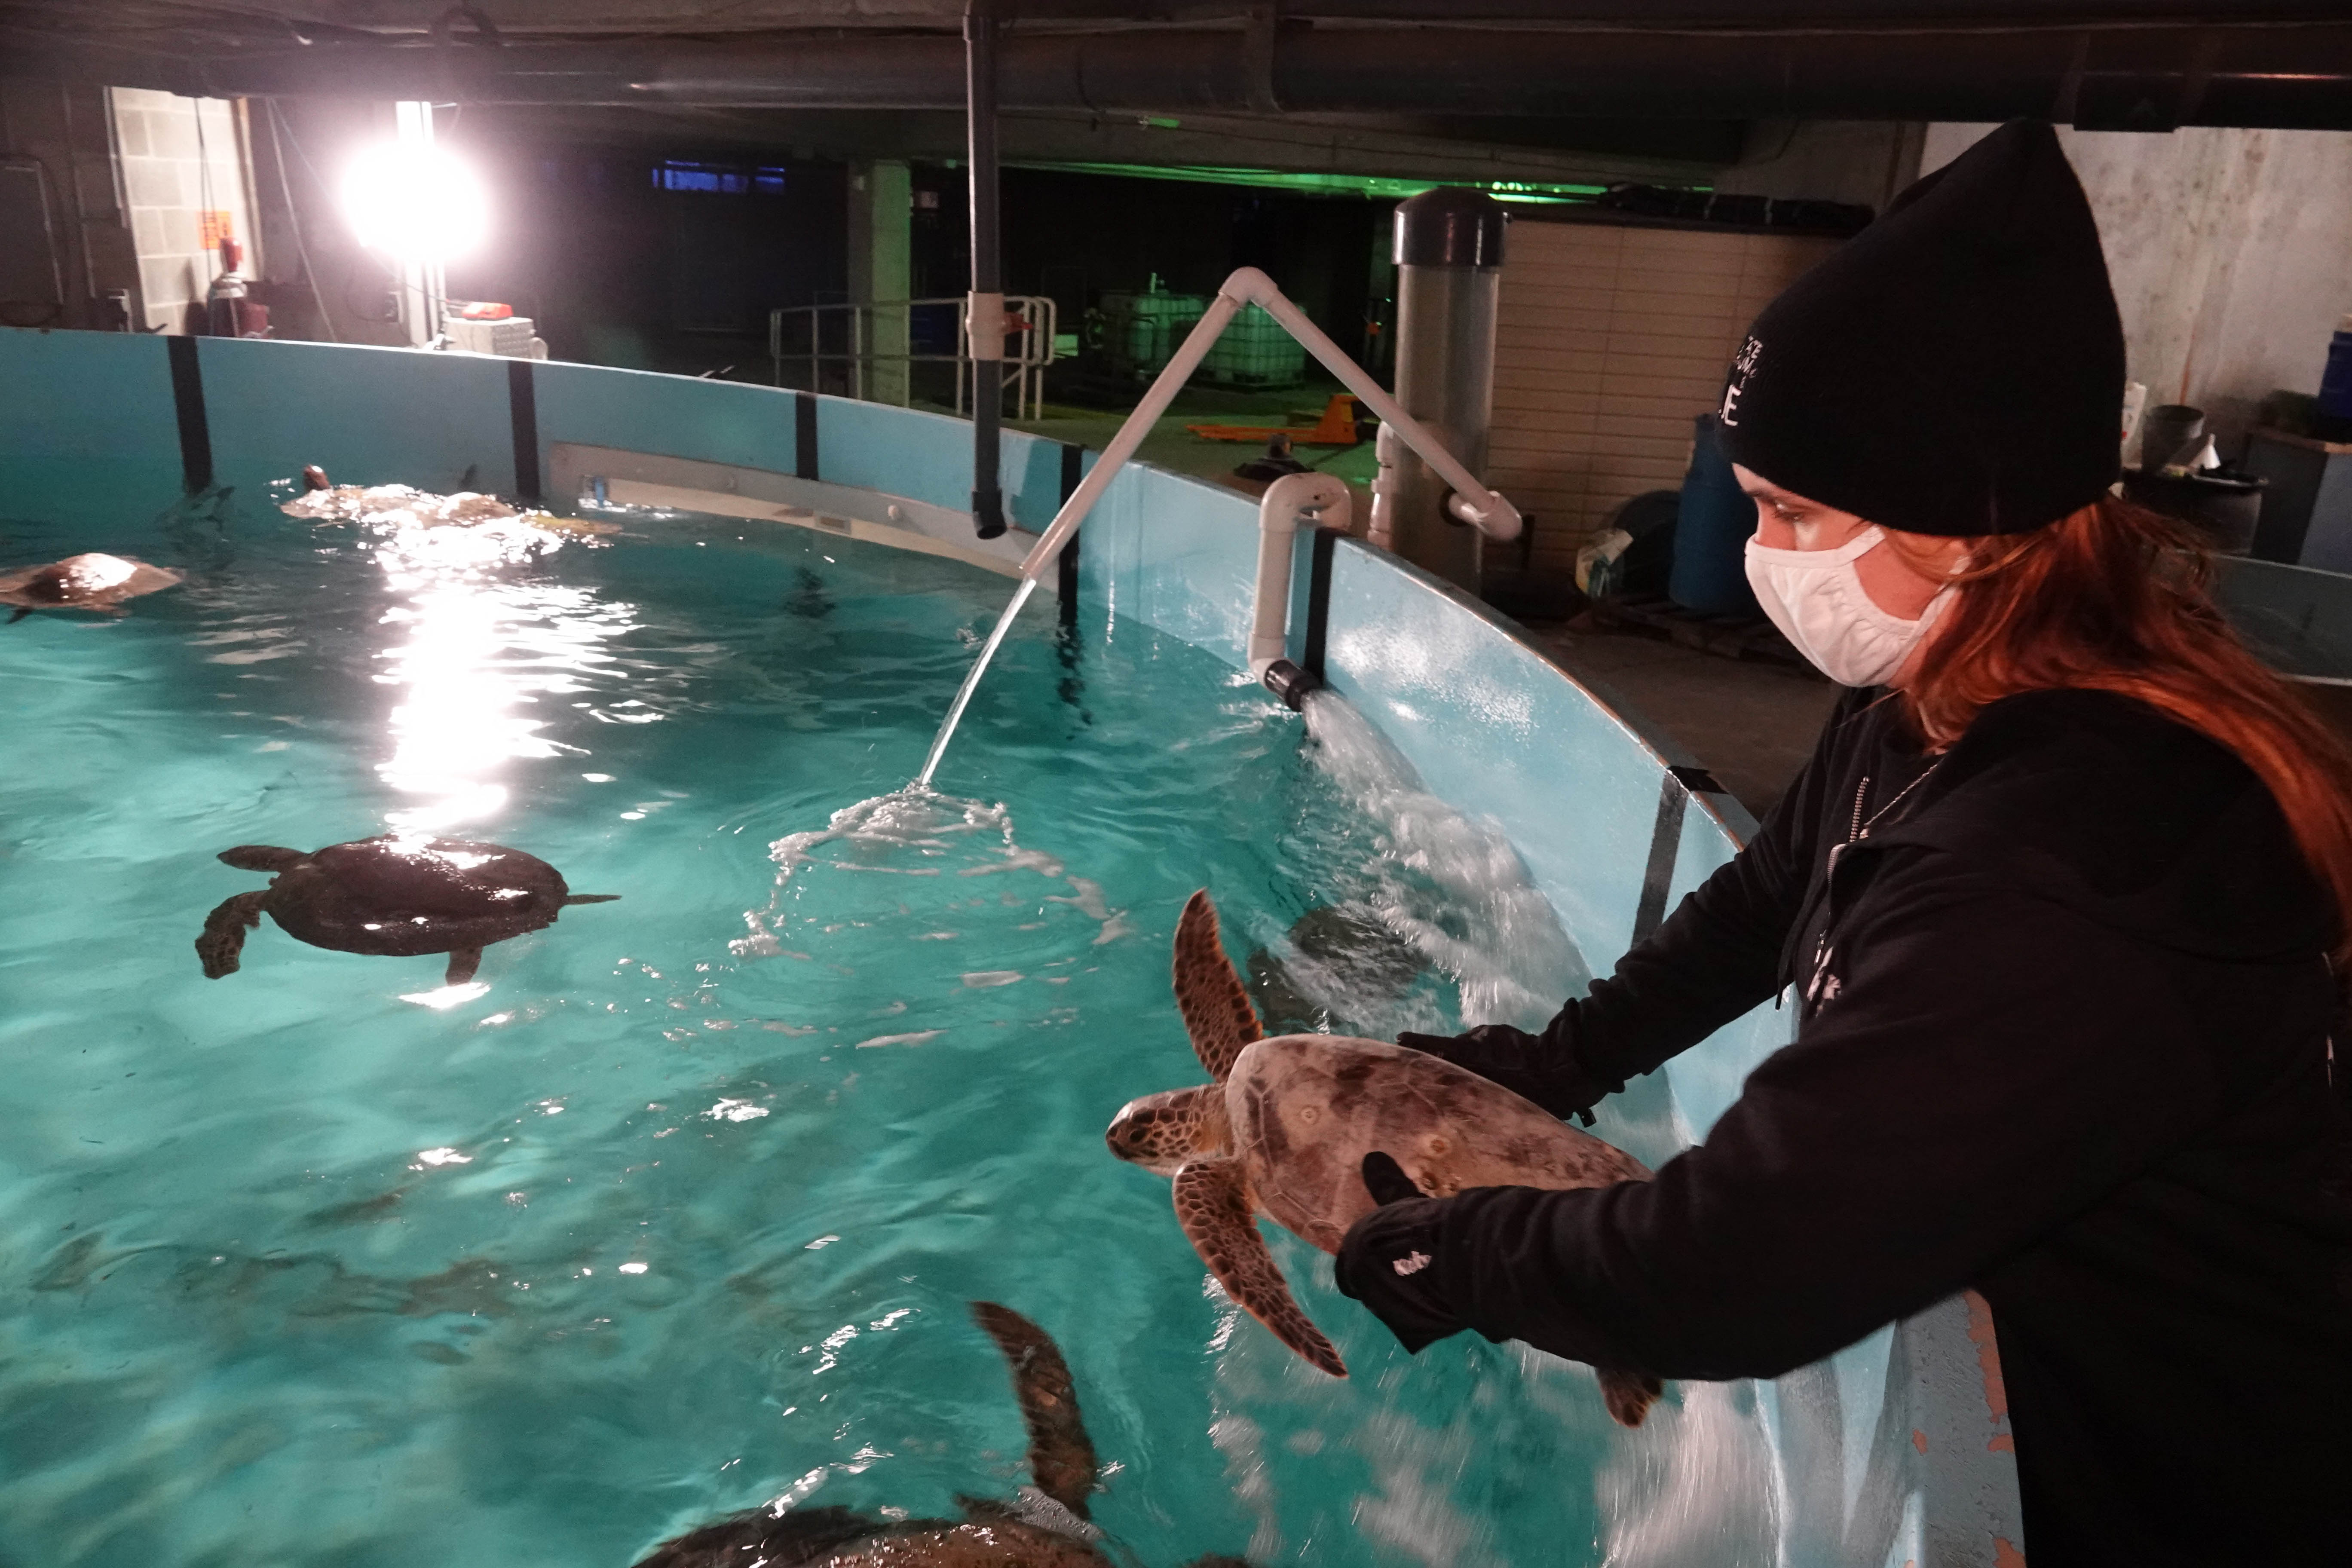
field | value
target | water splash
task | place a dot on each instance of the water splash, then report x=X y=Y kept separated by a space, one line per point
x=916 y=832
x=1452 y=886
x=972 y=681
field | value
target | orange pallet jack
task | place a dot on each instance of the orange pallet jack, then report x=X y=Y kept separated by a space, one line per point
x=1337 y=427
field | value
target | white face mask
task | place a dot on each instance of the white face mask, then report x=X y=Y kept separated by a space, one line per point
x=1817 y=599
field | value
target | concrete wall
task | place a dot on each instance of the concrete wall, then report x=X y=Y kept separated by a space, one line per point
x=1858 y=161
x=181 y=158
x=2230 y=251
x=881 y=243
x=66 y=130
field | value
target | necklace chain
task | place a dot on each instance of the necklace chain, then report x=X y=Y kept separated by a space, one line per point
x=1861 y=829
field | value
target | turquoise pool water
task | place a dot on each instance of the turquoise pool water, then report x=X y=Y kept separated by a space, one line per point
x=676 y=1212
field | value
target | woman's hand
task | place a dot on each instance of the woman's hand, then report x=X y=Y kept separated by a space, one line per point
x=1540 y=1068
x=1389 y=1259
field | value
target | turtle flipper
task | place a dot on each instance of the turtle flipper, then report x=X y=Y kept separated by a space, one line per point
x=1061 y=1456
x=1212 y=1206
x=22 y=611
x=572 y=898
x=1628 y=1394
x=1217 y=1011
x=262 y=857
x=224 y=929
x=463 y=962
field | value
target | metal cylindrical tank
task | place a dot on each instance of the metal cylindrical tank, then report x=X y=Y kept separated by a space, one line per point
x=1449 y=257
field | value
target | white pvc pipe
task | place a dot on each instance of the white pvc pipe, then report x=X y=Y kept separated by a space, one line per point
x=1473 y=502
x=1156 y=399
x=1324 y=498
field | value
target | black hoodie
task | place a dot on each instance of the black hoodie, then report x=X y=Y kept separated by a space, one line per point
x=2063 y=1037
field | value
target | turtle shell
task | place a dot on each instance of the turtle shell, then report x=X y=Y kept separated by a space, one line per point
x=1306 y=1109
x=395 y=895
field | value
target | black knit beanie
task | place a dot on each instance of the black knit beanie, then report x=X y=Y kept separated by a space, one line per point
x=1956 y=368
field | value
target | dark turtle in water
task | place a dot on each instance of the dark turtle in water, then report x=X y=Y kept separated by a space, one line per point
x=91 y=582
x=1047 y=1529
x=393 y=897
x=1283 y=1130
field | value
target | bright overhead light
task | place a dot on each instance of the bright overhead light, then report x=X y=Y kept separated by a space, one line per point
x=416 y=203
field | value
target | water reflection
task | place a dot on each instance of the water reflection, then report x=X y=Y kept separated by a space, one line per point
x=486 y=639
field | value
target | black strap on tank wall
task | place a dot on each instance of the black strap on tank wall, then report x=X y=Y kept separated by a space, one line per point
x=1666 y=839
x=1066 y=563
x=188 y=404
x=523 y=403
x=1318 y=601
x=804 y=434
x=1674 y=791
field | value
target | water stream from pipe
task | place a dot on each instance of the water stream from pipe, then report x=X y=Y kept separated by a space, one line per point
x=972 y=681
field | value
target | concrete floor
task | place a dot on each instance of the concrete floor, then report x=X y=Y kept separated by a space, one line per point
x=1751 y=724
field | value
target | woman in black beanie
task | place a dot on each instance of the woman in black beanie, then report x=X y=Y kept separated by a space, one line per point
x=2061 y=896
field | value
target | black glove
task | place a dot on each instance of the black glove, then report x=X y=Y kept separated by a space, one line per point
x=1388 y=1260
x=1541 y=1068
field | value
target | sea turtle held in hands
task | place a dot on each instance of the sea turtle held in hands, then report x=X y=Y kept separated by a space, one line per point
x=90 y=582
x=393 y=896
x=1048 y=1529
x=1283 y=1130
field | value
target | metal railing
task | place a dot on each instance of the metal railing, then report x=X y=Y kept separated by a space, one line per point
x=872 y=345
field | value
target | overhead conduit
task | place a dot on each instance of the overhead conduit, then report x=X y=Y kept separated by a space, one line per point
x=2284 y=70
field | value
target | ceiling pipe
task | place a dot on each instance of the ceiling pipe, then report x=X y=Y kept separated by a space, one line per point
x=984 y=308
x=2288 y=75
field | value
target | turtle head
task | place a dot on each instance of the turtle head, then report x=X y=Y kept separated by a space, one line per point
x=1163 y=1131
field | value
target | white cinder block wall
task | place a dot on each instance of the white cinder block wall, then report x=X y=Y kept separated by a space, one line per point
x=181 y=158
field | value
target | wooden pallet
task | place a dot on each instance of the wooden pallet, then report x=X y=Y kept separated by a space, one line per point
x=1726 y=637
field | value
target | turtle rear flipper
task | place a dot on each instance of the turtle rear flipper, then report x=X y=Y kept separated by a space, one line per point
x=225 y=929
x=1061 y=1456
x=1217 y=1011
x=262 y=857
x=1628 y=1394
x=1212 y=1206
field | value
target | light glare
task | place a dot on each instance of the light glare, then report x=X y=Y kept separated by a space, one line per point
x=416 y=202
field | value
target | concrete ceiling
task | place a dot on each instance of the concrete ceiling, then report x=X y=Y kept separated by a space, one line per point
x=1568 y=90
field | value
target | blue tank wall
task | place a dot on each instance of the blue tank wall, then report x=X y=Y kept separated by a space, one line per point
x=1893 y=1451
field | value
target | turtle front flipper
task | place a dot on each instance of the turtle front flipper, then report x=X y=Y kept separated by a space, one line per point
x=572 y=898
x=1217 y=1011
x=1628 y=1394
x=262 y=857
x=1061 y=1456
x=224 y=929
x=463 y=962
x=1212 y=1206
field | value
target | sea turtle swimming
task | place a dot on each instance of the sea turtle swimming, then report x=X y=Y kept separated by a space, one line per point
x=1283 y=1130
x=1047 y=1529
x=403 y=506
x=393 y=896
x=90 y=581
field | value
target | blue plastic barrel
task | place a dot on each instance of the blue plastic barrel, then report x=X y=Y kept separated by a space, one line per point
x=2336 y=381
x=1711 y=533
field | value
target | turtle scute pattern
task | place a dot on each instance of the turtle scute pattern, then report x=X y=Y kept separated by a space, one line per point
x=1302 y=1113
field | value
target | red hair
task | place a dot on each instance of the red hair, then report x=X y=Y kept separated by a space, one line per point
x=2115 y=598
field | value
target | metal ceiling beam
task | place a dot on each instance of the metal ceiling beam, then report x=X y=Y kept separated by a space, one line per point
x=2122 y=77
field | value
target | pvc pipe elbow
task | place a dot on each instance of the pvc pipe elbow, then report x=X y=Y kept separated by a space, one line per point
x=1500 y=521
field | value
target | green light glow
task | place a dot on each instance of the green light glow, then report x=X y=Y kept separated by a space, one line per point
x=1379 y=186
